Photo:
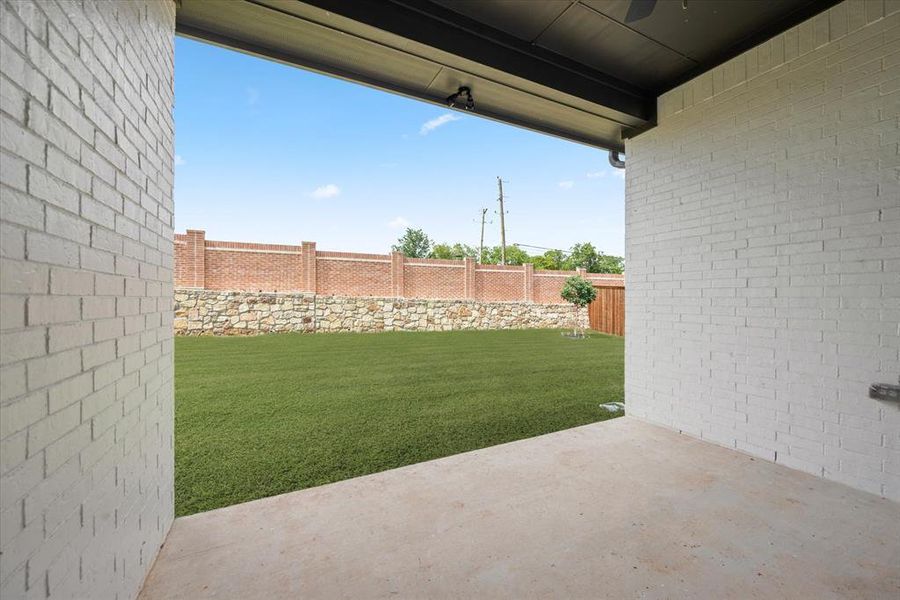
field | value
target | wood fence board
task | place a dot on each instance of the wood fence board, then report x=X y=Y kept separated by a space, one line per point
x=607 y=312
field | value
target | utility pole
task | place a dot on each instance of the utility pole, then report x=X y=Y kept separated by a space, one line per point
x=502 y=223
x=481 y=243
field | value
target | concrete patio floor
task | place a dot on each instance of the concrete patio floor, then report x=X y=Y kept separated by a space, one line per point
x=620 y=509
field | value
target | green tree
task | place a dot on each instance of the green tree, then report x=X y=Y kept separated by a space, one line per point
x=582 y=256
x=455 y=252
x=607 y=263
x=491 y=255
x=588 y=258
x=580 y=293
x=514 y=256
x=551 y=259
x=413 y=243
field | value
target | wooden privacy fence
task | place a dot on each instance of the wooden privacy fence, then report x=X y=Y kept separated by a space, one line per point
x=607 y=312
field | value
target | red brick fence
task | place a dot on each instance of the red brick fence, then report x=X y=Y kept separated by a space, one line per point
x=241 y=266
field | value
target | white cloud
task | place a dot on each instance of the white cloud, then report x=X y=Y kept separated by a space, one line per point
x=398 y=223
x=566 y=185
x=436 y=122
x=326 y=191
x=620 y=173
x=252 y=96
x=596 y=175
x=179 y=161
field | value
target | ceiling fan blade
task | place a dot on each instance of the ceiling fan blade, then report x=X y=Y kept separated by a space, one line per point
x=639 y=9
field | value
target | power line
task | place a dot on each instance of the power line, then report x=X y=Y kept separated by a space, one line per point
x=543 y=248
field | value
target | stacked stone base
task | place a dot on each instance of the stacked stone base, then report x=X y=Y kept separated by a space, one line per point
x=204 y=312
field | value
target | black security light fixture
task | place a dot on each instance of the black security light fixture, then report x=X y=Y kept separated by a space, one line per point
x=463 y=94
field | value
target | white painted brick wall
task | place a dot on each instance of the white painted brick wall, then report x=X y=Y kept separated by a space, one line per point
x=86 y=411
x=763 y=251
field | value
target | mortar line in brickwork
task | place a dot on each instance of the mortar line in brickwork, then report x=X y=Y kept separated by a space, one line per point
x=369 y=260
x=208 y=248
x=412 y=264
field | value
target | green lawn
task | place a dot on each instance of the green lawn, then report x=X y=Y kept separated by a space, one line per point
x=257 y=416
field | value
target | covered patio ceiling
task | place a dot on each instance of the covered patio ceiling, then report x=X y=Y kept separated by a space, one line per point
x=584 y=70
x=618 y=509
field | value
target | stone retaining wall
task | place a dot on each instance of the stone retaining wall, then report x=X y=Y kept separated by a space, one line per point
x=204 y=312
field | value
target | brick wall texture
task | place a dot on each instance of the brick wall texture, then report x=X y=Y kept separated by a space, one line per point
x=242 y=266
x=763 y=251
x=86 y=413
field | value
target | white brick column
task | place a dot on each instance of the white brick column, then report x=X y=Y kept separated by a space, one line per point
x=86 y=411
x=763 y=251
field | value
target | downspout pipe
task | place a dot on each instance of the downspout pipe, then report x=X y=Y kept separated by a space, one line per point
x=616 y=159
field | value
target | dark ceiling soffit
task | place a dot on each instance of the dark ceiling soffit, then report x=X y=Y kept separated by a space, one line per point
x=778 y=26
x=291 y=59
x=227 y=41
x=451 y=32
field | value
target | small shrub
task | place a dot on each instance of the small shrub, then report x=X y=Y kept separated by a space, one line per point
x=580 y=293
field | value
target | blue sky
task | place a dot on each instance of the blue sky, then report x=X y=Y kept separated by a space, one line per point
x=270 y=153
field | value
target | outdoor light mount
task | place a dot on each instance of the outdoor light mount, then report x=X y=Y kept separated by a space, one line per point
x=885 y=391
x=456 y=100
